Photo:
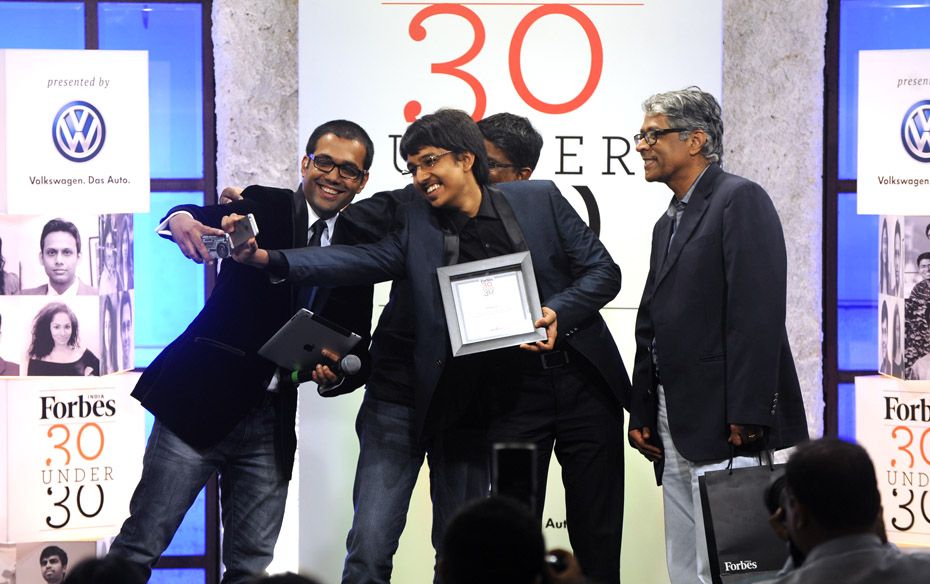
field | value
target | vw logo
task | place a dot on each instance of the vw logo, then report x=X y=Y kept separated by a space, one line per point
x=915 y=131
x=78 y=131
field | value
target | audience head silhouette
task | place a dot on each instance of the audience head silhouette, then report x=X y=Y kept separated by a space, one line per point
x=830 y=491
x=494 y=541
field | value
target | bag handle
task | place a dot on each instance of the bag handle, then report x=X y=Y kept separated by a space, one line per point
x=766 y=453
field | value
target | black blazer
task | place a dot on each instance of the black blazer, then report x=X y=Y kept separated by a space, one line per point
x=716 y=309
x=574 y=273
x=211 y=376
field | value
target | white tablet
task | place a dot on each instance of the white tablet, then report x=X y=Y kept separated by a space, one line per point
x=299 y=343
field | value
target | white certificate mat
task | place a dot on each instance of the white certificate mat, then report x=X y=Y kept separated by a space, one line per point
x=491 y=304
x=495 y=304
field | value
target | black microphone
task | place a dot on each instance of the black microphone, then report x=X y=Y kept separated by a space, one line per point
x=348 y=365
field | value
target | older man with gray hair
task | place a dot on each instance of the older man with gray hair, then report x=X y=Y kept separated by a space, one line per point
x=714 y=381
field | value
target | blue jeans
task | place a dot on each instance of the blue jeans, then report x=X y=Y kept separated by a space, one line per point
x=252 y=495
x=389 y=462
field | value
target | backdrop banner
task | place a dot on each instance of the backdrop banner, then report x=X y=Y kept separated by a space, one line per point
x=580 y=73
x=583 y=93
x=893 y=425
x=894 y=132
x=74 y=131
x=71 y=452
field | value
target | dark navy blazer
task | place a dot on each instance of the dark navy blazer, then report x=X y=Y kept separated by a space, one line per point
x=715 y=305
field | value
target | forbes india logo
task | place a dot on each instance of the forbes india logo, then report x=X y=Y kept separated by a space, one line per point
x=915 y=131
x=78 y=131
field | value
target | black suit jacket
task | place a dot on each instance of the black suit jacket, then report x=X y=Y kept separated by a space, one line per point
x=574 y=274
x=716 y=309
x=211 y=376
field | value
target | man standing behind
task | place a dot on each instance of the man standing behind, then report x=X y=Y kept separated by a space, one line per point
x=218 y=405
x=53 y=561
x=513 y=146
x=714 y=378
x=60 y=252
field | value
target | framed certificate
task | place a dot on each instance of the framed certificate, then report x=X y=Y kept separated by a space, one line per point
x=491 y=303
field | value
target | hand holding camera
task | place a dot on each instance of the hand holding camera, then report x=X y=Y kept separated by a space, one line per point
x=239 y=231
x=188 y=234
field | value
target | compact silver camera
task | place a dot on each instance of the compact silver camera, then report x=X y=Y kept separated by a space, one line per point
x=219 y=246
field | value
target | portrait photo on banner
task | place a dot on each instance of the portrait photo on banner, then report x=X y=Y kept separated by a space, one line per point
x=53 y=319
x=49 y=562
x=916 y=293
x=114 y=260
x=891 y=292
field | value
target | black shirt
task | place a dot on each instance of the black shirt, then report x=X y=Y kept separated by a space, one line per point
x=466 y=381
x=480 y=237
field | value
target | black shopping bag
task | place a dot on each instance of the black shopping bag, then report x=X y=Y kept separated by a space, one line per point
x=740 y=542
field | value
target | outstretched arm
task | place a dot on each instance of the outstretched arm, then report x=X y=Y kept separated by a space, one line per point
x=335 y=265
x=187 y=233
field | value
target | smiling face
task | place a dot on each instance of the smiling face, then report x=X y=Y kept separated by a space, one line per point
x=60 y=258
x=445 y=178
x=670 y=160
x=61 y=329
x=329 y=192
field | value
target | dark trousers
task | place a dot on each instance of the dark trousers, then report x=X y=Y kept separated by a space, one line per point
x=571 y=409
x=389 y=461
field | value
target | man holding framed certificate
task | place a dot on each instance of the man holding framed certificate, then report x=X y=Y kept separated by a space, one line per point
x=574 y=381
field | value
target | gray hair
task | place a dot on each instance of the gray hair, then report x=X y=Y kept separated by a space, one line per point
x=693 y=109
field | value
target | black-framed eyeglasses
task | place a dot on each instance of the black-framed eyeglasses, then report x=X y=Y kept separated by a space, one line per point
x=427 y=162
x=652 y=136
x=494 y=165
x=346 y=170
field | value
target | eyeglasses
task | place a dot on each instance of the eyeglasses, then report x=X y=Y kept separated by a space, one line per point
x=346 y=170
x=427 y=162
x=652 y=136
x=494 y=165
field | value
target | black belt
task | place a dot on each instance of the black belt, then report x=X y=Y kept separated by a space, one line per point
x=545 y=361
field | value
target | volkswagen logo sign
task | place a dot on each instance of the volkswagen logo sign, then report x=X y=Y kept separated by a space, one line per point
x=78 y=131
x=915 y=131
